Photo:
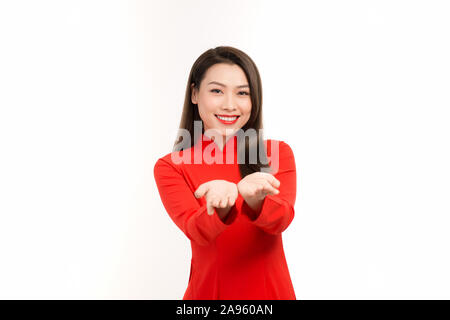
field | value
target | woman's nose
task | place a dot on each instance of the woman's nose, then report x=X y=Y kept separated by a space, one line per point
x=229 y=103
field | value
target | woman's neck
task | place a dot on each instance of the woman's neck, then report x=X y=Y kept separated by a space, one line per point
x=220 y=141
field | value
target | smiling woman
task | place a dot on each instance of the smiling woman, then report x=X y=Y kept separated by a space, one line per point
x=233 y=213
x=221 y=104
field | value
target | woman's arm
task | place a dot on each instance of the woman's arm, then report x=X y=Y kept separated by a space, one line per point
x=184 y=209
x=275 y=212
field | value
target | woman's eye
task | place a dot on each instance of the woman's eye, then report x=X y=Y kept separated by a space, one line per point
x=244 y=92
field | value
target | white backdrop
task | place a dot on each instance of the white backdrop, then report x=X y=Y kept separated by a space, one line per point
x=91 y=94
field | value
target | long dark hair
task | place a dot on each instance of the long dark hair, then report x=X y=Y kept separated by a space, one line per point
x=232 y=56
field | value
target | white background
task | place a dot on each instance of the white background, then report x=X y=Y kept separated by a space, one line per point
x=91 y=94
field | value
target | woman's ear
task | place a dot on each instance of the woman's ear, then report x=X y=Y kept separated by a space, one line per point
x=194 y=93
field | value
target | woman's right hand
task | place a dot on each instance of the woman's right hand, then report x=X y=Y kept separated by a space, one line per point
x=219 y=194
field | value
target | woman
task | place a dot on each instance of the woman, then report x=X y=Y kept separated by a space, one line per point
x=232 y=207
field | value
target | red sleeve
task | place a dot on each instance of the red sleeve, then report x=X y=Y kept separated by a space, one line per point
x=277 y=211
x=188 y=212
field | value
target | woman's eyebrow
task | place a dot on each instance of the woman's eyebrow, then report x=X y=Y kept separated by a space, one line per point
x=220 y=84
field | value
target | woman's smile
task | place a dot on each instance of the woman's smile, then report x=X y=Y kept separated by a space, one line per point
x=227 y=119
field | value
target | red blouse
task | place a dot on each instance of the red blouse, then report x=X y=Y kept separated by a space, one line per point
x=242 y=257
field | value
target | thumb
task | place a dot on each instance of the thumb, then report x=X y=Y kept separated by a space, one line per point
x=200 y=192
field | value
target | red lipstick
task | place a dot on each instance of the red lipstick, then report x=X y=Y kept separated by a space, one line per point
x=224 y=120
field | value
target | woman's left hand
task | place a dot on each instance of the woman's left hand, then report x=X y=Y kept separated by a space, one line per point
x=257 y=185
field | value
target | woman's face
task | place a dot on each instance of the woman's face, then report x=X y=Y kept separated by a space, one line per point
x=224 y=91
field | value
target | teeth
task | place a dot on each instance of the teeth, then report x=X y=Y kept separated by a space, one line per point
x=227 y=118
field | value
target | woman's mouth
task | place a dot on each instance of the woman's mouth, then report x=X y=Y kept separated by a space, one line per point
x=227 y=119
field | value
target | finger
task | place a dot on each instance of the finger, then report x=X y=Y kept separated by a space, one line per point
x=209 y=208
x=224 y=202
x=274 y=181
x=270 y=181
x=254 y=190
x=215 y=202
x=212 y=201
x=230 y=201
x=271 y=190
x=261 y=186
